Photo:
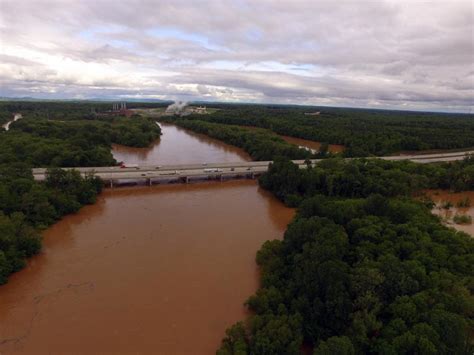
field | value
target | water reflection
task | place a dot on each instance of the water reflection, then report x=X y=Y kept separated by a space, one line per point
x=158 y=270
x=180 y=146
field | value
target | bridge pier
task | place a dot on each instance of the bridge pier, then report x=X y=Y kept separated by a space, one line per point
x=216 y=171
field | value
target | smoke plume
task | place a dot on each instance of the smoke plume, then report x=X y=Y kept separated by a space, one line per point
x=176 y=108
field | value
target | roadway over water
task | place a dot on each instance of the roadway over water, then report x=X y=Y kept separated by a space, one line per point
x=184 y=173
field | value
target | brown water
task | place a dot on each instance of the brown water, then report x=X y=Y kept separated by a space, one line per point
x=333 y=148
x=439 y=197
x=180 y=146
x=146 y=270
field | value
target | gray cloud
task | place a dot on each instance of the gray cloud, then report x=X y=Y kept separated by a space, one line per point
x=393 y=54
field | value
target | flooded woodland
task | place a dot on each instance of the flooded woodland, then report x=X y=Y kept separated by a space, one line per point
x=163 y=269
x=449 y=204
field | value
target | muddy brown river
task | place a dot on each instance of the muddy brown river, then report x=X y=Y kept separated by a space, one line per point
x=179 y=146
x=333 y=148
x=145 y=270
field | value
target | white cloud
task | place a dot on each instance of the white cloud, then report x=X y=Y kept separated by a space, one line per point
x=392 y=53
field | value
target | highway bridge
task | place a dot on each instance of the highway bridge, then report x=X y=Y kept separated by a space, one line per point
x=184 y=173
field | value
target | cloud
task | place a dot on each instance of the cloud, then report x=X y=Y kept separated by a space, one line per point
x=391 y=53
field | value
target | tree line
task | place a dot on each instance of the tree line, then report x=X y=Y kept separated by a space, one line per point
x=363 y=268
x=41 y=142
x=64 y=110
x=27 y=207
x=260 y=144
x=54 y=134
x=363 y=132
x=363 y=177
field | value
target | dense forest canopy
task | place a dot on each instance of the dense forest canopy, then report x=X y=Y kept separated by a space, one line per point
x=363 y=268
x=363 y=177
x=70 y=134
x=364 y=132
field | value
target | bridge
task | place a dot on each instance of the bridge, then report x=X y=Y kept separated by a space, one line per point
x=184 y=173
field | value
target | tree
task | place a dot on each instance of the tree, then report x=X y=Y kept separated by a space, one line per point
x=335 y=346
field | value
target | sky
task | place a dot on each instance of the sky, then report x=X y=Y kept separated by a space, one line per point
x=391 y=54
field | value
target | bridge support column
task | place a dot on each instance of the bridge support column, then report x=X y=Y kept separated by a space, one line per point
x=111 y=183
x=148 y=181
x=221 y=177
x=186 y=179
x=252 y=175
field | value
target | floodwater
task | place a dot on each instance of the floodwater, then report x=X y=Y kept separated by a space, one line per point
x=145 y=270
x=312 y=145
x=440 y=197
x=180 y=146
x=333 y=148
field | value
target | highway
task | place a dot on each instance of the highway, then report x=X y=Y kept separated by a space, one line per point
x=184 y=173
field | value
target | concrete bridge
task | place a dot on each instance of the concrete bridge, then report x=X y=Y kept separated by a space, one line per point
x=219 y=171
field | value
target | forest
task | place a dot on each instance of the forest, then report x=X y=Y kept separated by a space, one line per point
x=363 y=132
x=27 y=207
x=363 y=177
x=260 y=144
x=67 y=143
x=363 y=268
x=64 y=110
x=54 y=134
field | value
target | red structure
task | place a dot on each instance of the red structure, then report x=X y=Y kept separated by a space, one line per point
x=125 y=112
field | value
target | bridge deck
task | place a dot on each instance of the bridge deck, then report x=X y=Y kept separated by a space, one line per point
x=219 y=170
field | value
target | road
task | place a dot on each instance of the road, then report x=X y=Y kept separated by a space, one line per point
x=154 y=173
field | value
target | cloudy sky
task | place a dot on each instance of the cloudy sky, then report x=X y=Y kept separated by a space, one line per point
x=405 y=54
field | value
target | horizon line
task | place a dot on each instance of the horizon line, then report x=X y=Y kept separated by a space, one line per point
x=145 y=100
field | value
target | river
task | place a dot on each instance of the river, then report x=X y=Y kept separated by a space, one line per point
x=179 y=146
x=145 y=270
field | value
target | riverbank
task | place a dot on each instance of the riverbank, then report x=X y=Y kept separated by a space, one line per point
x=141 y=270
x=360 y=257
x=144 y=267
x=313 y=146
x=180 y=146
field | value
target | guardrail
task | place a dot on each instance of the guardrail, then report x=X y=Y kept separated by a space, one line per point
x=155 y=173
